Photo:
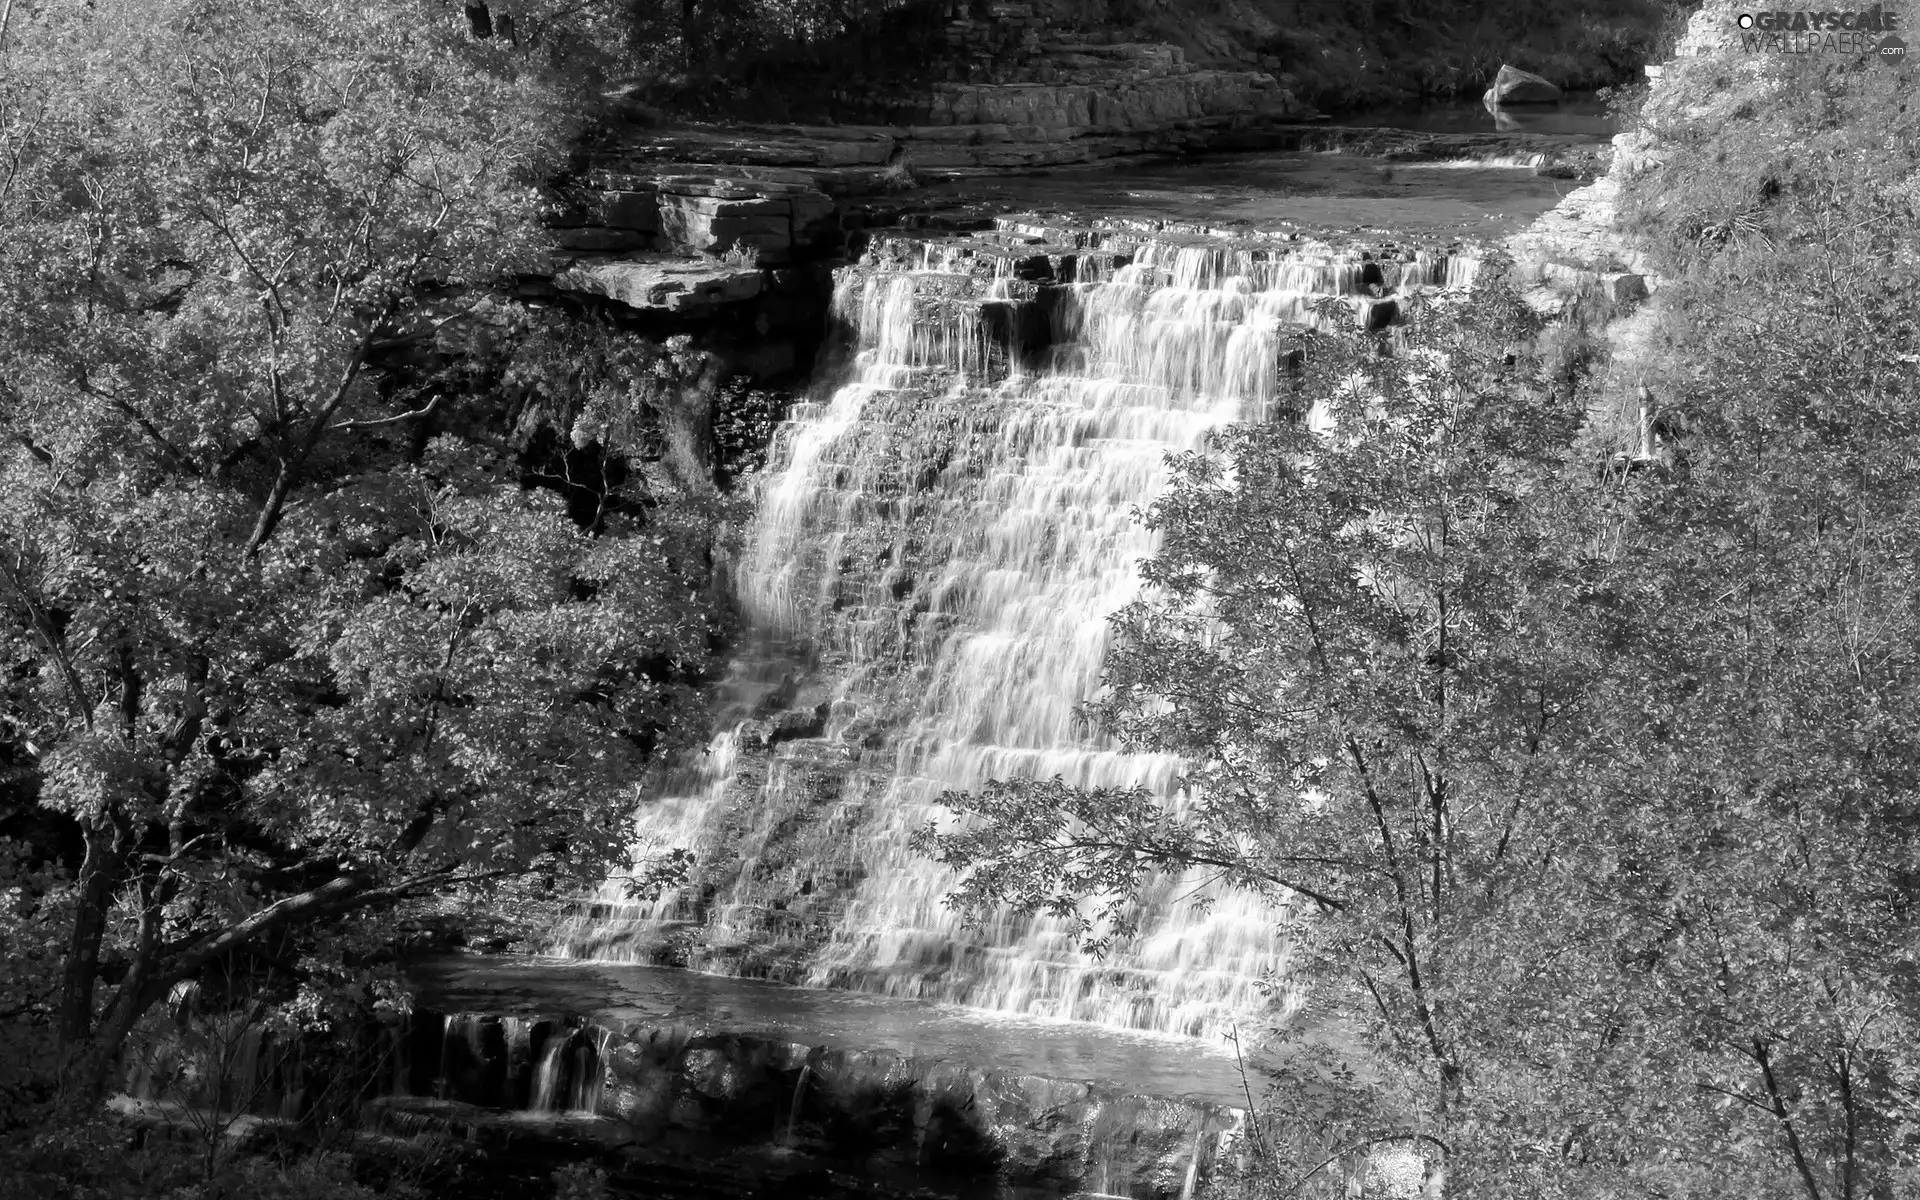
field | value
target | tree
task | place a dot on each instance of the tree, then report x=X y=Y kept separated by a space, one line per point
x=1343 y=635
x=285 y=635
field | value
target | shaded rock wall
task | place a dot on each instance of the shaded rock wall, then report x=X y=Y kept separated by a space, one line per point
x=1331 y=53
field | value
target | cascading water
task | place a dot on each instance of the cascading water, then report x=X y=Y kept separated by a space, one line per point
x=931 y=572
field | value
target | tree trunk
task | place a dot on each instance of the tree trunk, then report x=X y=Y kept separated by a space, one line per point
x=99 y=872
x=88 y=1056
x=88 y=1070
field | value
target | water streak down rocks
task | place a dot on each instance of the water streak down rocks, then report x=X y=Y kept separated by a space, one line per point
x=930 y=572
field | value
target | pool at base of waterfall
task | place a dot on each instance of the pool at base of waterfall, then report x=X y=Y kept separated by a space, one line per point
x=700 y=1087
x=662 y=997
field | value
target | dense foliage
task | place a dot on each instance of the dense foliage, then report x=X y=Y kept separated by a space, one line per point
x=326 y=578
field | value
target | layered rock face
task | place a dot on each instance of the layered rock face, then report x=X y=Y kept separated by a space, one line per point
x=1120 y=90
x=1062 y=102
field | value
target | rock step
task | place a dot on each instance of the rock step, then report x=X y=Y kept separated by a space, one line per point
x=664 y=283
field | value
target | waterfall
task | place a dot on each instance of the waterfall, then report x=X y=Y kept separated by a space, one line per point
x=567 y=1076
x=930 y=574
x=793 y=1109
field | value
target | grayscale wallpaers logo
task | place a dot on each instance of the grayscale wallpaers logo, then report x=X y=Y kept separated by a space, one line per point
x=1870 y=31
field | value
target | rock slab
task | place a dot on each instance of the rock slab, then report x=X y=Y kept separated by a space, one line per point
x=664 y=283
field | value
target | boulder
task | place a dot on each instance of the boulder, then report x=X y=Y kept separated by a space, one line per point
x=798 y=723
x=1514 y=86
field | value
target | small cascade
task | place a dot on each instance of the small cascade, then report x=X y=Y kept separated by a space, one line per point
x=550 y=1076
x=799 y=1097
x=1192 y=1180
x=930 y=573
x=504 y=1062
x=1478 y=162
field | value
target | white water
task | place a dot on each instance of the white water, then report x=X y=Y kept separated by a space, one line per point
x=1484 y=162
x=1034 y=522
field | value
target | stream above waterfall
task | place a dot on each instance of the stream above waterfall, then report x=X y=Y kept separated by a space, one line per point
x=1584 y=115
x=1319 y=193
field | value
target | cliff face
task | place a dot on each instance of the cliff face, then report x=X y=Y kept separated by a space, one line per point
x=1332 y=54
x=1582 y=233
x=1709 y=76
x=1347 y=55
x=1724 y=122
x=1738 y=154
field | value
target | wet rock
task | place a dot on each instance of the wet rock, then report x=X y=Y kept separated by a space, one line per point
x=755 y=734
x=1040 y=112
x=1562 y=170
x=1379 y=314
x=494 y=1127
x=1514 y=86
x=795 y=724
